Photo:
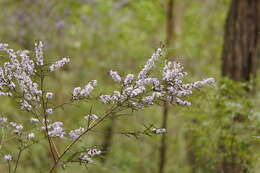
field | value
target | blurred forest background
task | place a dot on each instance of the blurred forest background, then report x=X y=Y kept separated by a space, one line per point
x=218 y=133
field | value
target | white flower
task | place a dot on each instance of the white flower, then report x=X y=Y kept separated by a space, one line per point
x=3 y=46
x=13 y=124
x=7 y=157
x=91 y=117
x=148 y=100
x=34 y=120
x=25 y=105
x=105 y=98
x=74 y=134
x=159 y=131
x=39 y=53
x=76 y=93
x=79 y=92
x=85 y=158
x=137 y=105
x=93 y=152
x=49 y=95
x=57 y=65
x=137 y=91
x=49 y=111
x=5 y=94
x=116 y=97
x=56 y=130
x=115 y=76
x=182 y=102
x=30 y=136
x=203 y=82
x=150 y=64
x=172 y=71
x=128 y=80
x=17 y=128
x=3 y=120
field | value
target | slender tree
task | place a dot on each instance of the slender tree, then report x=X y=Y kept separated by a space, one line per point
x=169 y=39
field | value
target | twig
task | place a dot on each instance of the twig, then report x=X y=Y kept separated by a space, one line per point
x=45 y=119
x=63 y=104
x=18 y=158
x=9 y=166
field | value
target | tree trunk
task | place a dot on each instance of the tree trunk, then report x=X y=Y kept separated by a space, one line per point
x=163 y=148
x=169 y=38
x=169 y=22
x=241 y=40
x=239 y=61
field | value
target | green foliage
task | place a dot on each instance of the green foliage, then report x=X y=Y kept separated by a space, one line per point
x=221 y=133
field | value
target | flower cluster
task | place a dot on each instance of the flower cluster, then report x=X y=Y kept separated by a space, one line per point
x=79 y=92
x=49 y=95
x=74 y=134
x=93 y=152
x=8 y=157
x=59 y=64
x=17 y=128
x=84 y=158
x=39 y=53
x=17 y=75
x=87 y=156
x=3 y=120
x=128 y=79
x=3 y=46
x=145 y=90
x=159 y=131
x=34 y=120
x=91 y=117
x=31 y=136
x=150 y=64
x=49 y=111
x=56 y=130
x=115 y=76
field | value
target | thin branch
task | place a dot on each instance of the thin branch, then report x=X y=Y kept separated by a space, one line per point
x=63 y=104
x=18 y=158
x=9 y=166
x=80 y=136
x=45 y=119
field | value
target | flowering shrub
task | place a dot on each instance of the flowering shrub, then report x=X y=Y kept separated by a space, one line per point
x=22 y=78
